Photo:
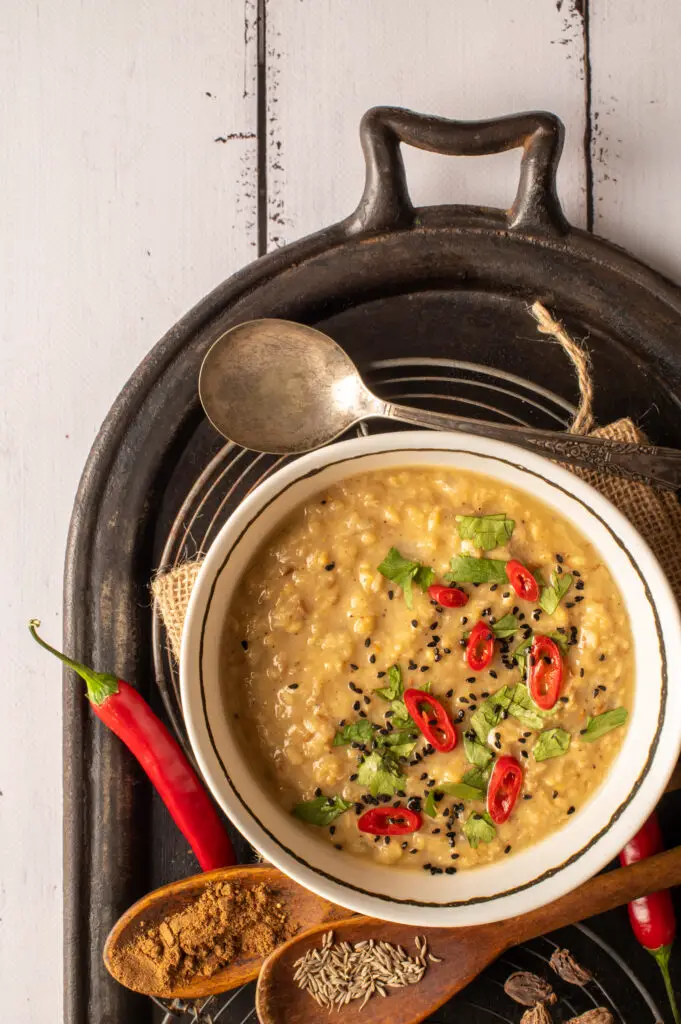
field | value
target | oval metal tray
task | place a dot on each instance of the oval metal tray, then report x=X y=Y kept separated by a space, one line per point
x=432 y=305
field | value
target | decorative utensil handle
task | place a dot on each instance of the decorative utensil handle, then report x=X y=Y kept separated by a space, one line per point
x=646 y=463
x=385 y=203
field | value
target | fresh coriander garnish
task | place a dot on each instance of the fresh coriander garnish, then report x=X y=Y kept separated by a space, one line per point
x=599 y=725
x=561 y=640
x=395 y=687
x=523 y=708
x=461 y=790
x=467 y=569
x=479 y=828
x=404 y=572
x=520 y=652
x=486 y=532
x=478 y=778
x=322 y=810
x=380 y=773
x=551 y=743
x=551 y=596
x=361 y=731
x=476 y=752
x=506 y=627
x=516 y=701
x=430 y=807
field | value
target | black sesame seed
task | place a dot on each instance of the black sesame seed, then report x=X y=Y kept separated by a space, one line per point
x=526 y=734
x=433 y=643
x=330 y=566
x=355 y=668
x=390 y=595
x=527 y=796
x=363 y=714
x=571 y=810
x=424 y=668
x=412 y=666
x=332 y=830
x=449 y=693
x=561 y=629
x=495 y=586
x=459 y=716
x=450 y=870
x=515 y=609
x=507 y=849
x=521 y=616
x=367 y=642
x=372 y=659
x=436 y=639
x=454 y=856
x=353 y=777
x=463 y=643
x=523 y=753
x=339 y=846
x=569 y=604
x=413 y=851
x=581 y=673
x=463 y=700
x=380 y=675
x=575 y=572
x=493 y=673
x=433 y=625
x=436 y=831
x=430 y=783
x=447 y=650
x=560 y=559
x=601 y=657
x=506 y=593
x=559 y=569
x=356 y=705
x=293 y=686
x=565 y=700
x=438 y=797
x=603 y=688
x=579 y=598
x=521 y=739
x=596 y=692
x=414 y=623
x=473 y=707
x=317 y=791
x=424 y=775
x=554 y=794
x=536 y=614
x=579 y=585
x=244 y=644
x=386 y=840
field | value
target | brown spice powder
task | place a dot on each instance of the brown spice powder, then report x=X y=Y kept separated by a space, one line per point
x=225 y=923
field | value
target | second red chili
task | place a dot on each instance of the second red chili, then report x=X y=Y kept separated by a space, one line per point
x=389 y=821
x=480 y=646
x=504 y=788
x=434 y=722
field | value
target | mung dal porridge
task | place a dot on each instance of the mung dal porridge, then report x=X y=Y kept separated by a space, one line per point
x=431 y=668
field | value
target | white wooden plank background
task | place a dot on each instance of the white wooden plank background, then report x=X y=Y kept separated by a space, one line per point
x=120 y=210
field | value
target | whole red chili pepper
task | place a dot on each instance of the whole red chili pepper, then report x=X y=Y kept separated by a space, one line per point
x=433 y=720
x=480 y=646
x=389 y=821
x=504 y=788
x=652 y=917
x=128 y=715
x=448 y=597
x=544 y=671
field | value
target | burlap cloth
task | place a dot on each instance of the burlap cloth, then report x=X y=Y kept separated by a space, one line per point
x=655 y=514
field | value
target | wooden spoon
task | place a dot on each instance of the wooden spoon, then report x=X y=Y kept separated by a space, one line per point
x=304 y=910
x=465 y=952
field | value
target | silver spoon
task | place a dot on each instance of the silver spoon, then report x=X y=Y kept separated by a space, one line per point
x=281 y=387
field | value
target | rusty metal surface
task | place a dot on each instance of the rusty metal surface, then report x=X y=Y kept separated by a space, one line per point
x=389 y=282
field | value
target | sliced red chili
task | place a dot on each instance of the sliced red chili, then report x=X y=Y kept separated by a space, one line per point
x=480 y=646
x=522 y=581
x=432 y=719
x=504 y=787
x=545 y=672
x=448 y=597
x=389 y=821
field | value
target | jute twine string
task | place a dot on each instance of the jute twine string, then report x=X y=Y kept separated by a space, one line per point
x=655 y=514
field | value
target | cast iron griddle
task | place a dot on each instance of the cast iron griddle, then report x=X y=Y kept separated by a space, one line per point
x=432 y=305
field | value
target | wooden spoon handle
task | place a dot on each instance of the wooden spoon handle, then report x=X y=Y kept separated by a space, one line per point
x=604 y=892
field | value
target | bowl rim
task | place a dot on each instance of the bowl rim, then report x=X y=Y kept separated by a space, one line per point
x=411 y=442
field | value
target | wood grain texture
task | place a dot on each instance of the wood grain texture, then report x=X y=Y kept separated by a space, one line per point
x=330 y=60
x=119 y=211
x=464 y=952
x=636 y=146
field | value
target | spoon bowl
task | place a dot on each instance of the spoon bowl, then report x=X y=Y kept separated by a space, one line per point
x=281 y=387
x=304 y=909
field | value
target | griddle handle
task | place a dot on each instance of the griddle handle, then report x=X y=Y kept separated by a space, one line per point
x=386 y=204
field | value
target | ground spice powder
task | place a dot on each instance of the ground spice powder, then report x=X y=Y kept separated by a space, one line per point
x=226 y=922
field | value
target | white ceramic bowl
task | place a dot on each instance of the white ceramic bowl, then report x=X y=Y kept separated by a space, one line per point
x=532 y=877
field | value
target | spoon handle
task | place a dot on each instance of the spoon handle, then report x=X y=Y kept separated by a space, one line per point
x=643 y=462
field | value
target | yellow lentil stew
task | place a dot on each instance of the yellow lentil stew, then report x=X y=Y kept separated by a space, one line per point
x=429 y=668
